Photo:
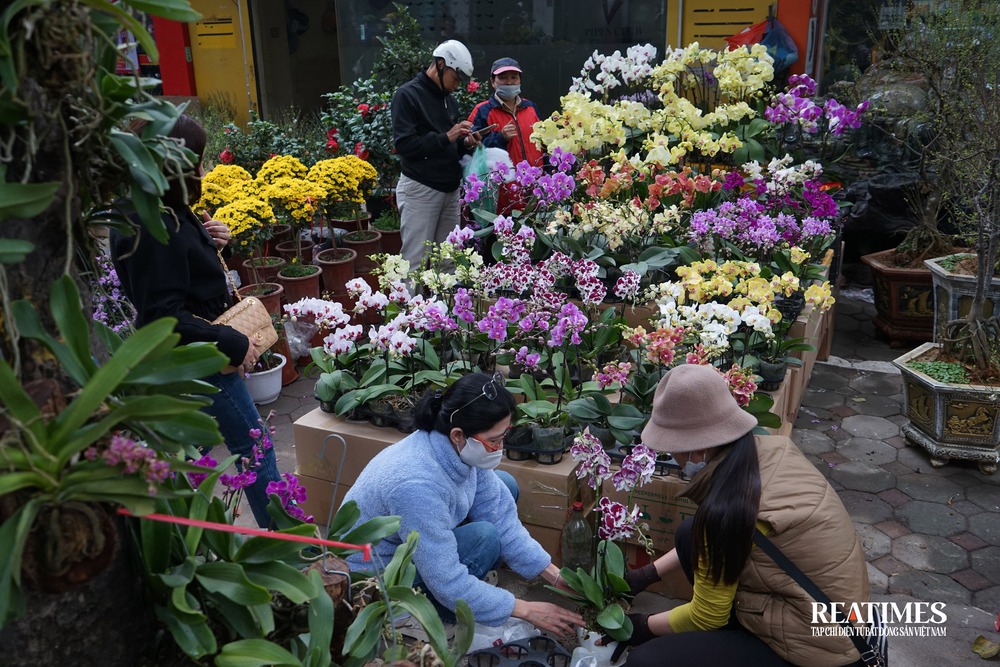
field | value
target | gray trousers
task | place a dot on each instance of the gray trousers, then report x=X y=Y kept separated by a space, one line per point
x=426 y=214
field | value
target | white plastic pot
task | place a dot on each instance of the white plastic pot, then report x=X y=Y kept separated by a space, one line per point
x=589 y=654
x=265 y=386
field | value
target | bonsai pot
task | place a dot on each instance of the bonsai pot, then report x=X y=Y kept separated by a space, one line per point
x=954 y=292
x=337 y=265
x=950 y=421
x=268 y=293
x=904 y=299
x=366 y=243
x=265 y=386
x=300 y=287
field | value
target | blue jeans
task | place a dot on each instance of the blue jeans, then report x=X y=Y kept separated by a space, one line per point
x=236 y=414
x=478 y=549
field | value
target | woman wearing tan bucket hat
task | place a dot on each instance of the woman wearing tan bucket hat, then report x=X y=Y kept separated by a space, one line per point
x=745 y=609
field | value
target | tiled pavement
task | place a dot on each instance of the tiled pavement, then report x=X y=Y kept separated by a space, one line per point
x=929 y=534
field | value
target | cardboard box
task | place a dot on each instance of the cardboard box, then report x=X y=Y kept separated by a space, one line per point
x=548 y=491
x=550 y=539
x=319 y=496
x=659 y=508
x=320 y=457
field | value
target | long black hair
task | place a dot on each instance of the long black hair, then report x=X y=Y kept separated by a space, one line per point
x=722 y=531
x=463 y=405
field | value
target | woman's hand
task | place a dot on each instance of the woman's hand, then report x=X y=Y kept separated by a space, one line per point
x=552 y=576
x=508 y=131
x=217 y=230
x=253 y=353
x=547 y=616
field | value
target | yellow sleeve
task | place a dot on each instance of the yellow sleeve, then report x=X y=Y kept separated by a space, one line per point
x=711 y=604
x=709 y=607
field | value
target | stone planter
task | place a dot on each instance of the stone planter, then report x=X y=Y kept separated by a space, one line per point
x=337 y=265
x=265 y=386
x=950 y=421
x=366 y=243
x=300 y=287
x=904 y=299
x=953 y=294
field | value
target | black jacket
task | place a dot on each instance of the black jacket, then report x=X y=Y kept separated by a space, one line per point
x=182 y=278
x=422 y=114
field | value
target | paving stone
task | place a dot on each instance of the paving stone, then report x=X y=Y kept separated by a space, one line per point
x=987 y=497
x=893 y=528
x=916 y=459
x=986 y=561
x=898 y=420
x=988 y=598
x=865 y=507
x=930 y=553
x=894 y=497
x=929 y=586
x=842 y=411
x=897 y=468
x=924 y=486
x=971 y=580
x=891 y=566
x=864 y=426
x=838 y=434
x=826 y=377
x=821 y=398
x=876 y=384
x=876 y=406
x=867 y=450
x=861 y=476
x=968 y=541
x=878 y=581
x=812 y=442
x=962 y=477
x=809 y=419
x=833 y=458
x=874 y=542
x=896 y=441
x=930 y=518
x=986 y=526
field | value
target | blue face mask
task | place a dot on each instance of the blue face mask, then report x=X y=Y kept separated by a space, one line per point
x=691 y=468
x=509 y=91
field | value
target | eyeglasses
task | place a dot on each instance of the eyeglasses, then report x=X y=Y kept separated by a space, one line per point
x=490 y=391
x=493 y=444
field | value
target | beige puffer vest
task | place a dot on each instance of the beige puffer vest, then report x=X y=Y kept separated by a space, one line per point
x=810 y=525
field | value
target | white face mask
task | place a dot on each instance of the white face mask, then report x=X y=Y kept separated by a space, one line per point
x=691 y=468
x=476 y=455
x=509 y=91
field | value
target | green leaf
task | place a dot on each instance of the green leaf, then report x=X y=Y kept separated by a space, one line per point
x=13 y=534
x=320 y=624
x=347 y=515
x=175 y=10
x=67 y=311
x=230 y=580
x=591 y=589
x=17 y=401
x=255 y=653
x=422 y=609
x=611 y=617
x=373 y=530
x=130 y=23
x=366 y=630
x=614 y=561
x=13 y=251
x=180 y=575
x=195 y=639
x=147 y=207
x=181 y=363
x=266 y=549
x=287 y=580
x=24 y=200
x=239 y=619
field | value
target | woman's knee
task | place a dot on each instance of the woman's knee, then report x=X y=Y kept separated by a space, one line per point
x=510 y=483
x=478 y=546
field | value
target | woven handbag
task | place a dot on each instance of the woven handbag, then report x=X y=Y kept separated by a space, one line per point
x=249 y=317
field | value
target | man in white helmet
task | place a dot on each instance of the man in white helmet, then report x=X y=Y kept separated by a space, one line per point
x=430 y=142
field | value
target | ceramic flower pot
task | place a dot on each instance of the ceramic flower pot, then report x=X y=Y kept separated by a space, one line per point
x=265 y=386
x=337 y=265
x=772 y=374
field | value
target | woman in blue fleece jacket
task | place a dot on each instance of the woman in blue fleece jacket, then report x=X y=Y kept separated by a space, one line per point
x=440 y=482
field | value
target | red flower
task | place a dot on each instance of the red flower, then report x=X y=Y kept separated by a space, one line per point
x=270 y=155
x=363 y=109
x=331 y=134
x=473 y=86
x=332 y=145
x=361 y=151
x=226 y=157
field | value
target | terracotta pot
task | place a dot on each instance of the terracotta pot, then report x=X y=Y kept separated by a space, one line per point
x=289 y=373
x=268 y=293
x=337 y=265
x=392 y=241
x=281 y=233
x=288 y=250
x=266 y=269
x=300 y=287
x=350 y=224
x=365 y=249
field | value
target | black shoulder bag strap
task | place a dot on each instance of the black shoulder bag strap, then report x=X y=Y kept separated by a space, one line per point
x=869 y=656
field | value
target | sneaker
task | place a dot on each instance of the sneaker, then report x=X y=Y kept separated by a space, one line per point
x=492 y=578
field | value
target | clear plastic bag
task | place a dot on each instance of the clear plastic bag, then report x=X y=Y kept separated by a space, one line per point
x=299 y=333
x=487 y=636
